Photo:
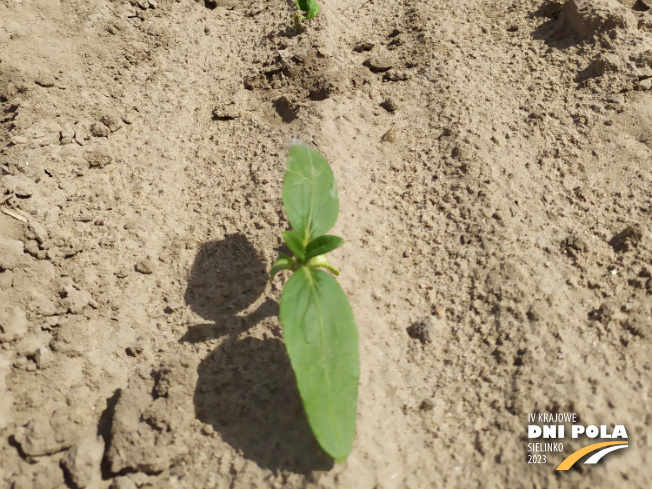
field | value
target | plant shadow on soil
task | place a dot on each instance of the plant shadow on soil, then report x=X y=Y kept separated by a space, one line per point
x=553 y=32
x=246 y=388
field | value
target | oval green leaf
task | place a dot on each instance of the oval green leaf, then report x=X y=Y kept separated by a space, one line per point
x=283 y=262
x=309 y=6
x=295 y=244
x=322 y=340
x=309 y=193
x=322 y=245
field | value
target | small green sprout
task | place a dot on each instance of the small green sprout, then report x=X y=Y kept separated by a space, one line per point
x=319 y=329
x=308 y=6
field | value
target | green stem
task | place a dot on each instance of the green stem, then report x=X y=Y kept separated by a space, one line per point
x=297 y=22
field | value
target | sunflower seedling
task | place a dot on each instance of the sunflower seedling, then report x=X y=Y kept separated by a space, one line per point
x=319 y=329
x=310 y=7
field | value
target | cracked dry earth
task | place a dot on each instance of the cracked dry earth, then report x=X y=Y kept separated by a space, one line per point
x=494 y=165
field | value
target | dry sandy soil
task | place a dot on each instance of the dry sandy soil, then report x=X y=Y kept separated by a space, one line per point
x=494 y=162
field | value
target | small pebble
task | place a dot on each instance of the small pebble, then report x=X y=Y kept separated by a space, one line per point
x=576 y=242
x=363 y=46
x=396 y=75
x=31 y=247
x=98 y=159
x=145 y=266
x=324 y=52
x=135 y=349
x=82 y=133
x=99 y=130
x=13 y=323
x=390 y=105
x=426 y=405
x=112 y=121
x=45 y=80
x=378 y=64
x=423 y=330
x=43 y=357
x=16 y=140
x=67 y=134
x=129 y=118
x=121 y=273
x=389 y=136
x=37 y=231
x=82 y=462
x=172 y=307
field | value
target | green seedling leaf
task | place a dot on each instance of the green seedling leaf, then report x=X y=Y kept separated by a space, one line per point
x=318 y=325
x=322 y=245
x=284 y=262
x=309 y=193
x=309 y=6
x=322 y=340
x=294 y=242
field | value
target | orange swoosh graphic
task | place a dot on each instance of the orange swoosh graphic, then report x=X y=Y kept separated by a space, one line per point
x=574 y=457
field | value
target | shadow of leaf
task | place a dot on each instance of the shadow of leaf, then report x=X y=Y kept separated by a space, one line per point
x=246 y=387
